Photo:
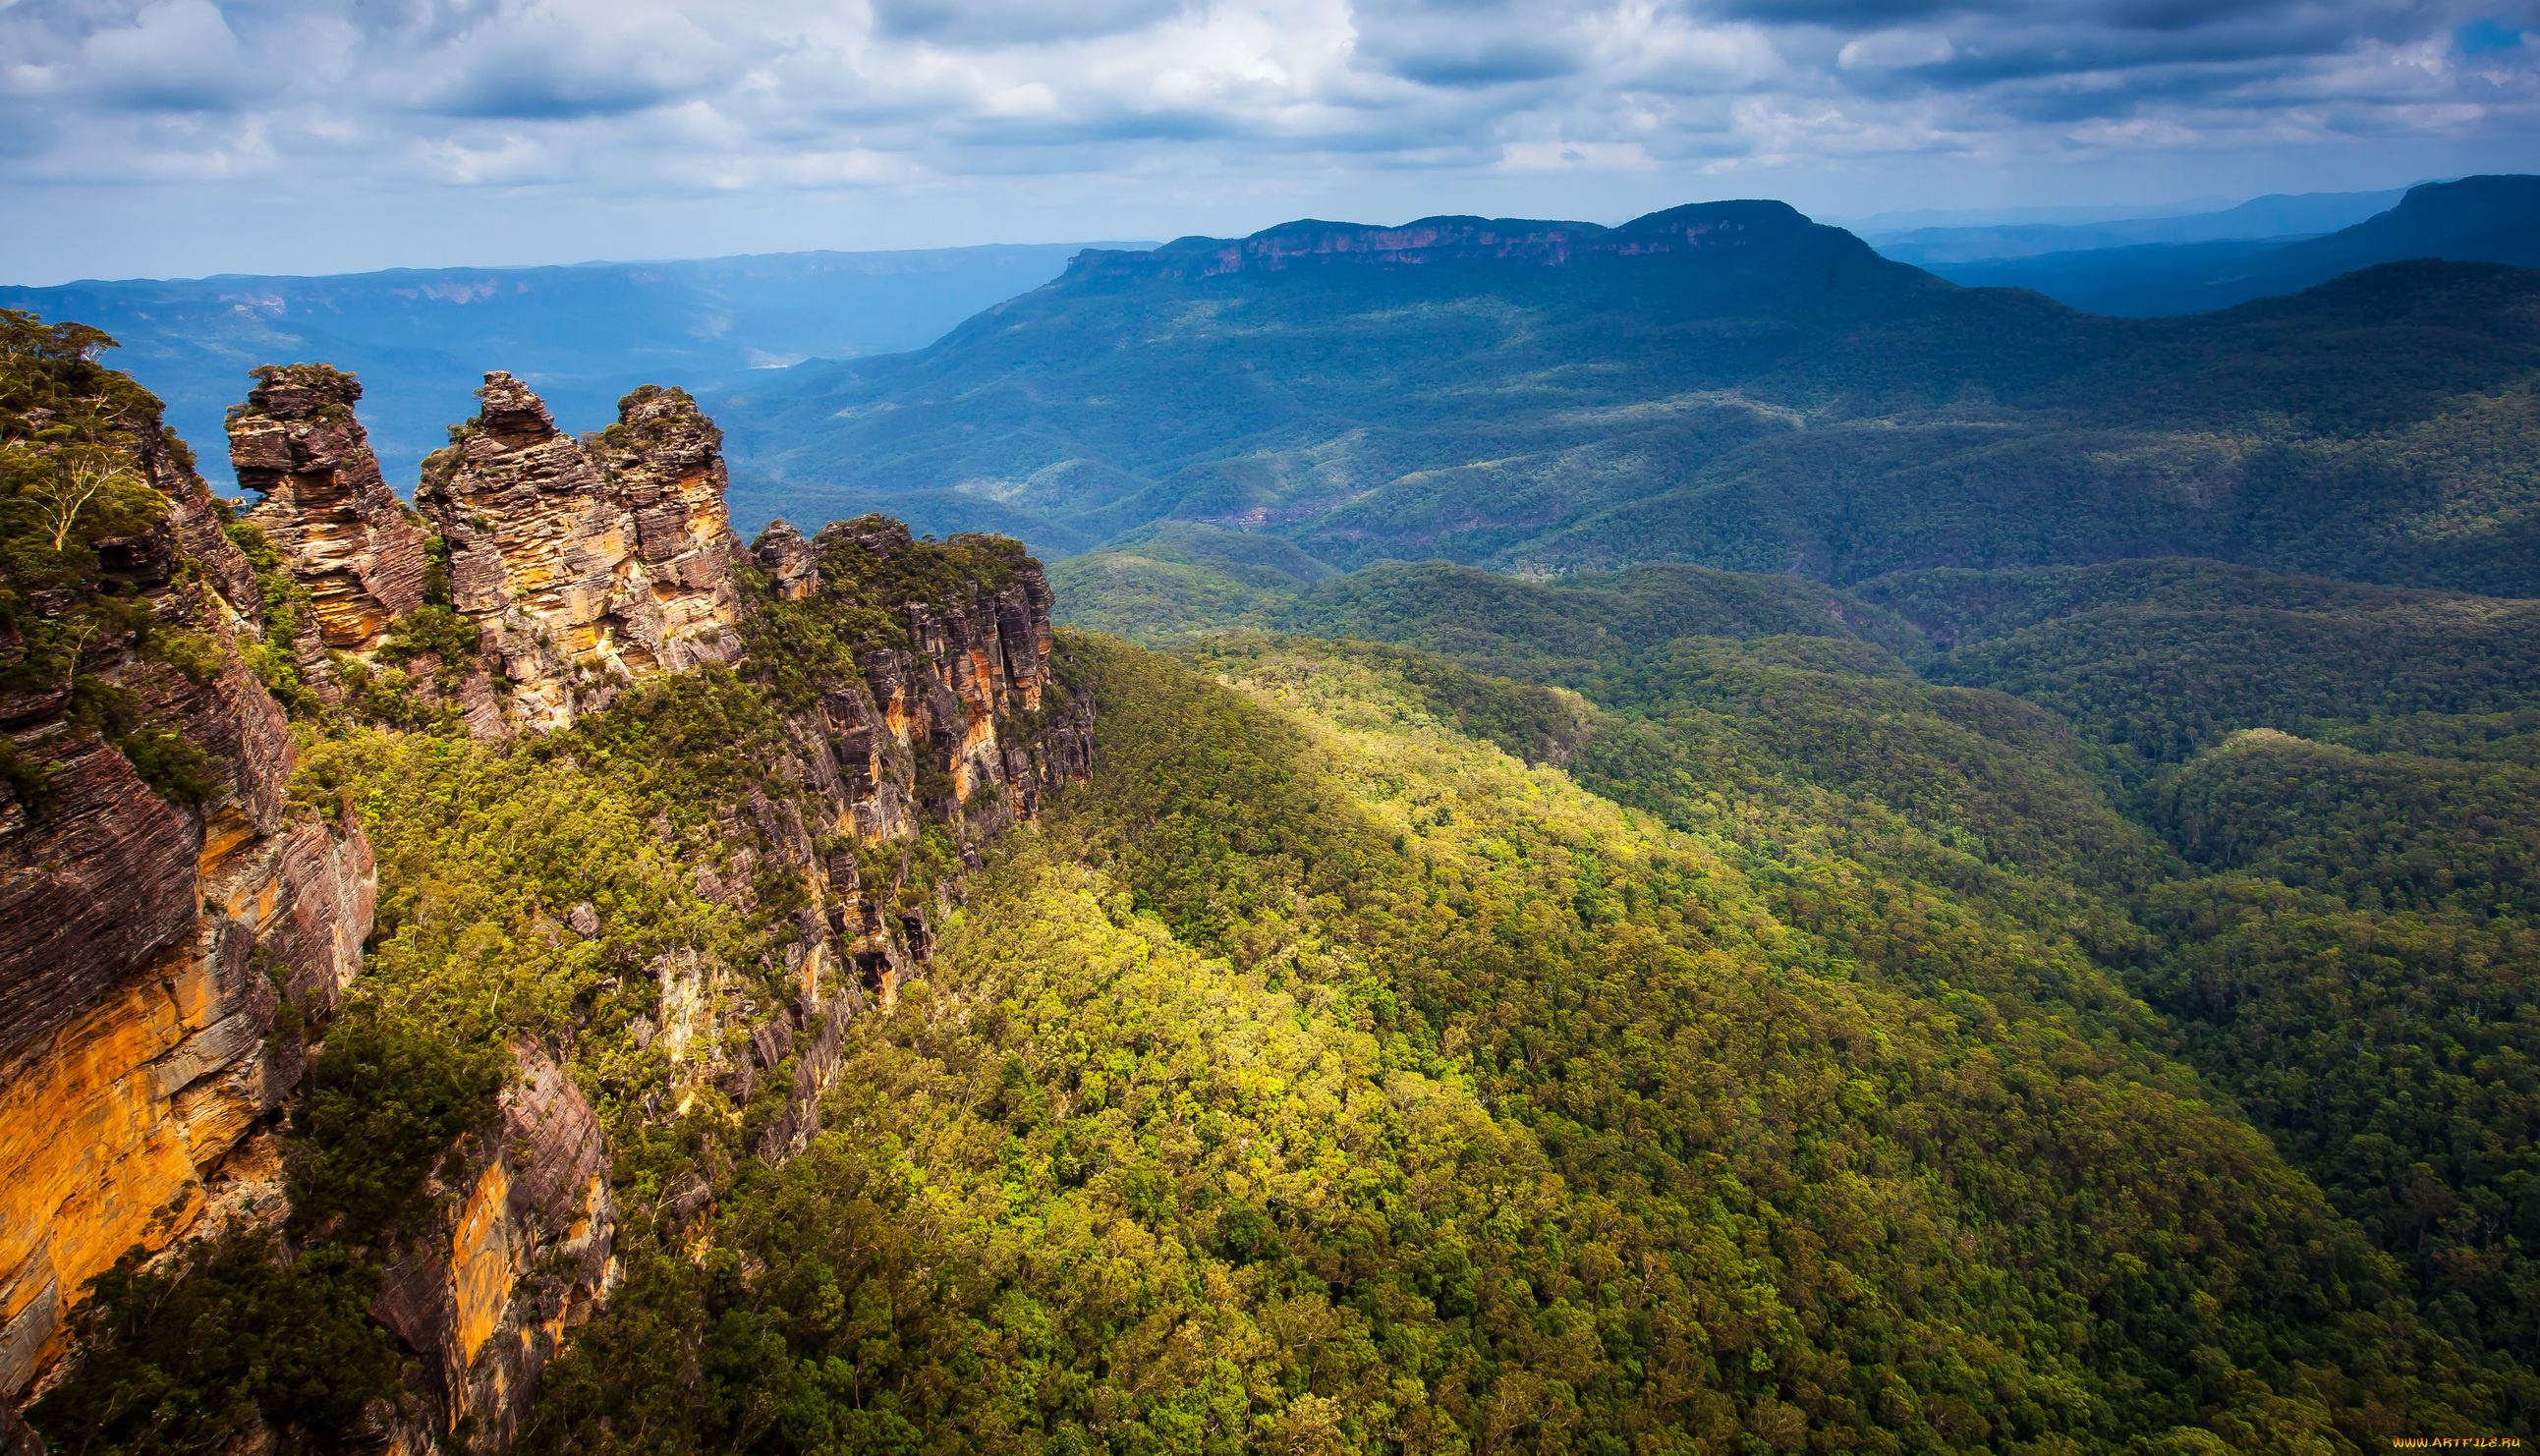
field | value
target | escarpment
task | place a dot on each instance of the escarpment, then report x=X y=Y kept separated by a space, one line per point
x=209 y=722
x=586 y=564
x=161 y=900
x=1701 y=230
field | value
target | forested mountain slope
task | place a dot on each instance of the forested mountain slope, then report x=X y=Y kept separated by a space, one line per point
x=2342 y=942
x=1725 y=384
x=1322 y=1077
x=552 y=977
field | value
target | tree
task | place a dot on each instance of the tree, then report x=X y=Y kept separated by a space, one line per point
x=79 y=477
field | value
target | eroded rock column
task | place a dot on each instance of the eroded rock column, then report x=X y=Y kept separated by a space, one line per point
x=325 y=507
x=588 y=563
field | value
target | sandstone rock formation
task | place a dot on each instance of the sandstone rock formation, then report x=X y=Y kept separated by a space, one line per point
x=789 y=559
x=343 y=532
x=587 y=563
x=519 y=1256
x=153 y=925
x=948 y=710
x=145 y=939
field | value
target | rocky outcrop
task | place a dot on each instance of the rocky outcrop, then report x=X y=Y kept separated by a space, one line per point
x=148 y=934
x=587 y=563
x=960 y=723
x=520 y=1254
x=162 y=901
x=325 y=507
x=1698 y=229
x=790 y=561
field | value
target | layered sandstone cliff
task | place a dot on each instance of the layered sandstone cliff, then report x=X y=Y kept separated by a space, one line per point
x=949 y=728
x=151 y=921
x=519 y=1256
x=963 y=710
x=170 y=947
x=342 y=532
x=587 y=563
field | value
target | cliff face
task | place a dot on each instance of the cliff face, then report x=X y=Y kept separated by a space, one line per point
x=521 y=1256
x=157 y=900
x=154 y=920
x=325 y=507
x=948 y=728
x=963 y=710
x=585 y=565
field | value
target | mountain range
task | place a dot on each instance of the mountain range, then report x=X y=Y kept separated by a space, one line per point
x=2279 y=216
x=1908 y=870
x=1726 y=383
x=2482 y=219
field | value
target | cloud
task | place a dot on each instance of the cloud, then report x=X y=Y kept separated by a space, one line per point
x=937 y=98
x=1894 y=51
x=176 y=56
x=987 y=23
x=562 y=60
x=1463 y=43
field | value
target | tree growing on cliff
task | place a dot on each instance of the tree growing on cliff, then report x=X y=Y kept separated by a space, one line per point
x=82 y=477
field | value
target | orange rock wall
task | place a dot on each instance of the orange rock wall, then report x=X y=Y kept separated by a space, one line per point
x=114 y=1127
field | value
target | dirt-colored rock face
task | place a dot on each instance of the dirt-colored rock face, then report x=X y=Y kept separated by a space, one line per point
x=325 y=507
x=520 y=1254
x=145 y=942
x=789 y=559
x=119 y=1126
x=587 y=563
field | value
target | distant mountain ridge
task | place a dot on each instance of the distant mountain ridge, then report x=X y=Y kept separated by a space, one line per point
x=2494 y=219
x=1698 y=227
x=2277 y=214
x=1727 y=384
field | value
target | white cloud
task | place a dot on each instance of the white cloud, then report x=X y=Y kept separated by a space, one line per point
x=923 y=101
x=1894 y=51
x=179 y=55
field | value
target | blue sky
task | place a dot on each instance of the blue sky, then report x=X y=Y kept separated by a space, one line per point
x=180 y=137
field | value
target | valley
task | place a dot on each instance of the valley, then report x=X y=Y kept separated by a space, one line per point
x=1483 y=836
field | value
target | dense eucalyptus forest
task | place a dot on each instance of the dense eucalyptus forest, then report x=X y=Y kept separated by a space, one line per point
x=870 y=994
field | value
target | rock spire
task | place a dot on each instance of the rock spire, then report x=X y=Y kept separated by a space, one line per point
x=345 y=534
x=587 y=563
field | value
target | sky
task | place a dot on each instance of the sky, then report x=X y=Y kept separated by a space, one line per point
x=156 y=138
